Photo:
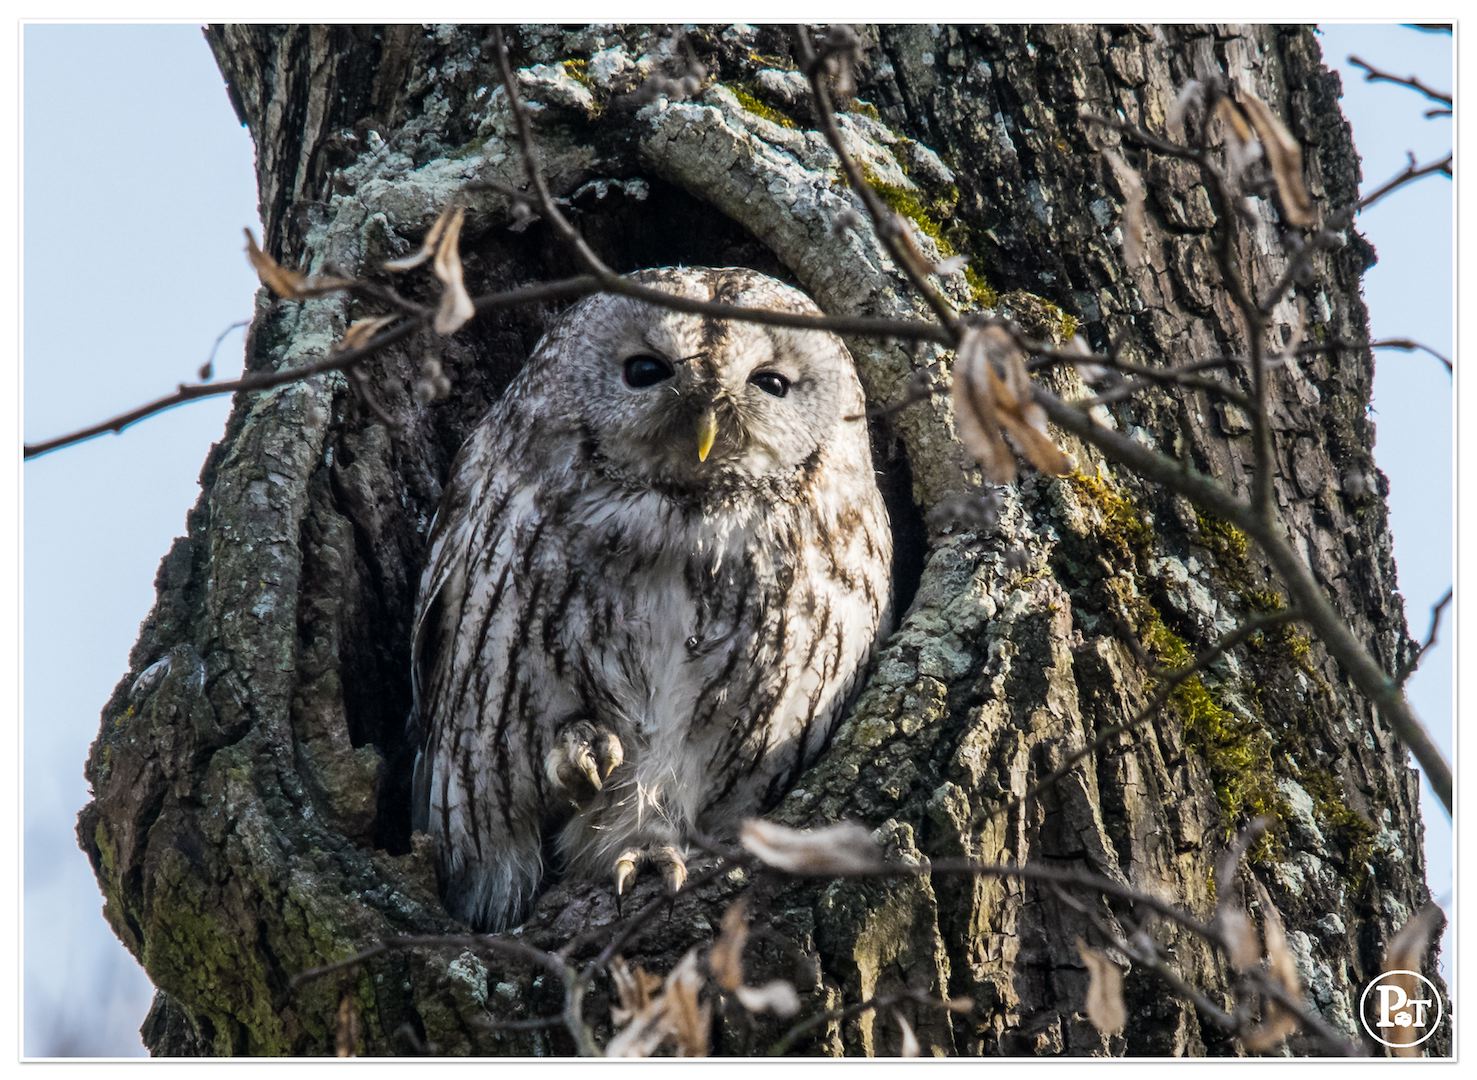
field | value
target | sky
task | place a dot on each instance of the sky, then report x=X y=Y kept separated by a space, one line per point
x=137 y=182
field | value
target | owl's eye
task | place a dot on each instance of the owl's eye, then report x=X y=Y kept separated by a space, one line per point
x=643 y=371
x=771 y=382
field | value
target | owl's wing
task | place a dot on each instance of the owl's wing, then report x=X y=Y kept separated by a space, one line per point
x=443 y=584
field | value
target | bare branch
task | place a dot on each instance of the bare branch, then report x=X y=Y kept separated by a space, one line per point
x=338 y=361
x=1407 y=669
x=1373 y=74
x=1411 y=173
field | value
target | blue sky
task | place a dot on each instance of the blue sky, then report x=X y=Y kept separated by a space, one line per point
x=138 y=180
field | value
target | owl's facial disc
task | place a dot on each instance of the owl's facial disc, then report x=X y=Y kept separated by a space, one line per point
x=689 y=403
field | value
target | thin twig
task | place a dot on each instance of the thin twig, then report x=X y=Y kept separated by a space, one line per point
x=1407 y=669
x=1410 y=174
x=1373 y=74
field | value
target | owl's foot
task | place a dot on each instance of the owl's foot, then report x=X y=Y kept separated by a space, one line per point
x=667 y=858
x=583 y=757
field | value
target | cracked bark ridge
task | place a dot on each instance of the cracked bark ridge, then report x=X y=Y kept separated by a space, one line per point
x=249 y=814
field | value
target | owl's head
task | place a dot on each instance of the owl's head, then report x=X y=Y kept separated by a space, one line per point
x=684 y=401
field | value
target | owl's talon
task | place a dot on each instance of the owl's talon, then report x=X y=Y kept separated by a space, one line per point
x=582 y=759
x=625 y=871
x=665 y=856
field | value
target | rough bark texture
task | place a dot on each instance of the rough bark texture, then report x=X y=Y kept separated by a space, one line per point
x=250 y=816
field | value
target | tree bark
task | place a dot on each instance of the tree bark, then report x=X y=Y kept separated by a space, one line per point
x=250 y=813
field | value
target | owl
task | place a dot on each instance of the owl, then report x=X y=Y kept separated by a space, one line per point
x=658 y=570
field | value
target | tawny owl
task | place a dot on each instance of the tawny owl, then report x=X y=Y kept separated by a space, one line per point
x=658 y=570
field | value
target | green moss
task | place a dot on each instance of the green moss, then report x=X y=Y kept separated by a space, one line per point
x=578 y=70
x=1123 y=524
x=772 y=60
x=1222 y=539
x=1236 y=748
x=1341 y=823
x=752 y=104
x=906 y=201
x=867 y=109
x=107 y=853
x=1039 y=316
x=983 y=293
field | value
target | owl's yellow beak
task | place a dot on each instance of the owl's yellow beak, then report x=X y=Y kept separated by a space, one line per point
x=707 y=432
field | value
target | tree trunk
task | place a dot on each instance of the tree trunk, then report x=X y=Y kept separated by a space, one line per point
x=250 y=815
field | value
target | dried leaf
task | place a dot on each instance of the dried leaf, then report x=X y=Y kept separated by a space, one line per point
x=1285 y=157
x=361 y=331
x=726 y=957
x=456 y=305
x=1105 y=1006
x=1242 y=943
x=1231 y=113
x=288 y=284
x=346 y=1029
x=633 y=989
x=1407 y=949
x=428 y=245
x=1277 y=1023
x=284 y=282
x=909 y=1045
x=987 y=404
x=843 y=848
x=1407 y=952
x=974 y=411
x=687 y=1020
x=639 y=1015
x=1135 y=224
x=777 y=996
x=642 y=1036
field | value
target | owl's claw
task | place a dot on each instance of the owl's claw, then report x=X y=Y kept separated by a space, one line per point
x=583 y=757
x=666 y=856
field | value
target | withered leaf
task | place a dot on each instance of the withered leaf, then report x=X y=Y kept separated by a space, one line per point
x=988 y=403
x=1240 y=936
x=908 y=1047
x=1277 y=1023
x=1285 y=157
x=633 y=989
x=1406 y=952
x=346 y=1027
x=456 y=305
x=776 y=996
x=428 y=246
x=687 y=1020
x=843 y=848
x=726 y=957
x=361 y=331
x=974 y=411
x=1105 y=1007
x=288 y=284
x=1135 y=223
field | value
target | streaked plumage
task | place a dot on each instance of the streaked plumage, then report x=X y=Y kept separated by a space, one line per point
x=616 y=641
